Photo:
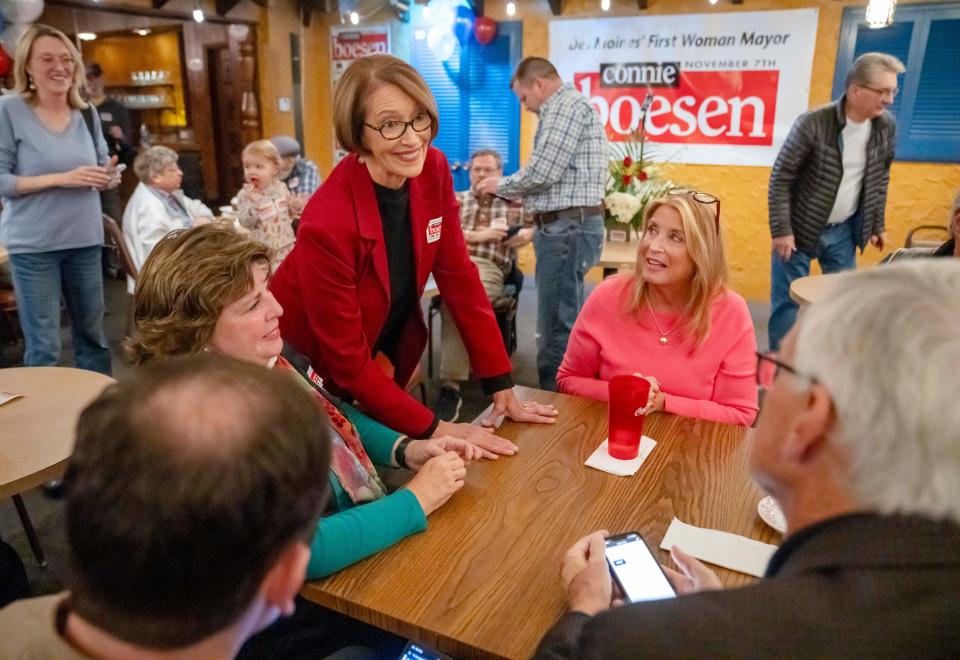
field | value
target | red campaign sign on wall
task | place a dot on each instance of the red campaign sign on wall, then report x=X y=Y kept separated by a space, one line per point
x=351 y=45
x=706 y=107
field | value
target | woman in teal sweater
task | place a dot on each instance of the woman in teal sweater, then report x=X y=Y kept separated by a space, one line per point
x=205 y=289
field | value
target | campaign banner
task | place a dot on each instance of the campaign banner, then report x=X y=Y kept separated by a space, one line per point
x=348 y=44
x=715 y=89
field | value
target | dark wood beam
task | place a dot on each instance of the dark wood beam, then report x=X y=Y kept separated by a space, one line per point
x=641 y=4
x=737 y=2
x=132 y=10
x=224 y=6
x=158 y=4
x=556 y=6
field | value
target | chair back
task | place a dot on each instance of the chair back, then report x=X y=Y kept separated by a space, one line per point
x=940 y=234
x=115 y=235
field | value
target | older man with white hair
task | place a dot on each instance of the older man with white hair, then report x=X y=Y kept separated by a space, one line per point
x=859 y=442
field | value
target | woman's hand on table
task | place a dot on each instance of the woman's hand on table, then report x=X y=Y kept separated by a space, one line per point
x=505 y=403
x=438 y=479
x=418 y=452
x=490 y=444
x=86 y=176
x=695 y=576
x=586 y=575
x=655 y=399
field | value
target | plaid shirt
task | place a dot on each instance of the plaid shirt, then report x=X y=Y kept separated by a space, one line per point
x=476 y=214
x=568 y=166
x=303 y=178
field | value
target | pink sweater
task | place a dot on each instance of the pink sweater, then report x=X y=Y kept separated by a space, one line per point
x=715 y=381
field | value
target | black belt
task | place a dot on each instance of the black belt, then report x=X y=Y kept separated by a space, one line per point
x=576 y=212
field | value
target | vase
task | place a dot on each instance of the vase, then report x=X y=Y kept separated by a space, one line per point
x=620 y=233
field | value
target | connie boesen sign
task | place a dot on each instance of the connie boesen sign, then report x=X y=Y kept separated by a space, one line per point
x=723 y=89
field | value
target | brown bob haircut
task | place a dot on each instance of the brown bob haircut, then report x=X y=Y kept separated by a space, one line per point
x=185 y=283
x=359 y=80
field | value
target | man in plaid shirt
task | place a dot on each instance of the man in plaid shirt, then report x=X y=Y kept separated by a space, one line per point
x=484 y=220
x=299 y=174
x=563 y=185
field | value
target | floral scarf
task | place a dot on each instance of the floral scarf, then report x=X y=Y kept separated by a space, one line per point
x=349 y=460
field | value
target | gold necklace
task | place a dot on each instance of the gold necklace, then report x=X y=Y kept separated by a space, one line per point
x=663 y=335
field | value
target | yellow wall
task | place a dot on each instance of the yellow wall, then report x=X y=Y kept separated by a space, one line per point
x=920 y=193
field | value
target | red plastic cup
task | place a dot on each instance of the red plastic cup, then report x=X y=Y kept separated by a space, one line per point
x=628 y=405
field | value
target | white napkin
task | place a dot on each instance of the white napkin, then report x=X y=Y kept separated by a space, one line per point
x=601 y=459
x=738 y=553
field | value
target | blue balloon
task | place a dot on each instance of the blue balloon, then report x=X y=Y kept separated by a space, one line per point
x=463 y=24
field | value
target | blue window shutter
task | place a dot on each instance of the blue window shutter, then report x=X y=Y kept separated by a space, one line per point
x=893 y=40
x=936 y=114
x=442 y=79
x=494 y=112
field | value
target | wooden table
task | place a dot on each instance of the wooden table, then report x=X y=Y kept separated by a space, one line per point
x=618 y=256
x=808 y=290
x=483 y=581
x=37 y=431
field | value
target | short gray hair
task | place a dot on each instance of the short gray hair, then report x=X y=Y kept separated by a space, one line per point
x=488 y=152
x=866 y=66
x=953 y=213
x=886 y=344
x=153 y=161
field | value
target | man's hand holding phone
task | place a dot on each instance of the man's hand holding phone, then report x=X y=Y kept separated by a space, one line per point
x=586 y=576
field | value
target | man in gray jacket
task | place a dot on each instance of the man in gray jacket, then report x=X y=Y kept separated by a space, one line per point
x=828 y=187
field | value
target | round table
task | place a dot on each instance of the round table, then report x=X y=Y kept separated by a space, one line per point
x=37 y=430
x=808 y=290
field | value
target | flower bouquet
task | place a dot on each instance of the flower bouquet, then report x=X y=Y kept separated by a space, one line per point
x=631 y=184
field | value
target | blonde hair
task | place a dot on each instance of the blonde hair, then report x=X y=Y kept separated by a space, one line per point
x=185 y=283
x=358 y=82
x=705 y=247
x=263 y=149
x=22 y=80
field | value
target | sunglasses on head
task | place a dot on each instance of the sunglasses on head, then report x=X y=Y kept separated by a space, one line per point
x=702 y=197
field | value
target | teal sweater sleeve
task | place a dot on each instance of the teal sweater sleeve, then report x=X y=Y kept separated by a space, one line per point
x=348 y=536
x=377 y=439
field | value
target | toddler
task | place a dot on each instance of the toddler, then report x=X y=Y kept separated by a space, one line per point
x=263 y=202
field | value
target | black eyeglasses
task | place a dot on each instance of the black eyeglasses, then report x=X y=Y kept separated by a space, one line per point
x=768 y=367
x=702 y=197
x=394 y=129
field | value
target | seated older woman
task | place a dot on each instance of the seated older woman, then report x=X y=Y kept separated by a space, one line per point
x=157 y=205
x=674 y=321
x=205 y=289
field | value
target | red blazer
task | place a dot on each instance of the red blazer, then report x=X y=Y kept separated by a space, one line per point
x=335 y=290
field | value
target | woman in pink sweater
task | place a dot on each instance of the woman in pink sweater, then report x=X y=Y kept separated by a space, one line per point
x=674 y=322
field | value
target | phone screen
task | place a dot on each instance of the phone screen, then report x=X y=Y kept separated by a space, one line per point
x=636 y=569
x=416 y=651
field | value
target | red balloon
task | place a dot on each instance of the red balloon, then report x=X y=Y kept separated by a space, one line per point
x=6 y=62
x=485 y=29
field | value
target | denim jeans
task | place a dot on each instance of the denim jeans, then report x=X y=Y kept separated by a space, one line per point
x=836 y=251
x=566 y=249
x=40 y=280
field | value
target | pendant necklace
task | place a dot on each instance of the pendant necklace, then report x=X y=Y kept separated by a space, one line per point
x=663 y=335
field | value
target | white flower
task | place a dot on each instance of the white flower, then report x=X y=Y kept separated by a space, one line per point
x=622 y=206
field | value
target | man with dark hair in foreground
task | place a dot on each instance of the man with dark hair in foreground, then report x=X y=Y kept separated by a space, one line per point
x=191 y=495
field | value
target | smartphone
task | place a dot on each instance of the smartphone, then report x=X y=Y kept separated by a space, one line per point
x=636 y=569
x=512 y=231
x=418 y=651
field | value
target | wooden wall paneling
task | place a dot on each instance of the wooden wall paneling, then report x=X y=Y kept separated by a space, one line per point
x=200 y=113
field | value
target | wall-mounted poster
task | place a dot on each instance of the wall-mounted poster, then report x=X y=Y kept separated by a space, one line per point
x=348 y=44
x=718 y=89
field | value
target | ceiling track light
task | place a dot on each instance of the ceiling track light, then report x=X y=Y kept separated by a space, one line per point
x=198 y=13
x=879 y=13
x=354 y=18
x=605 y=5
x=511 y=8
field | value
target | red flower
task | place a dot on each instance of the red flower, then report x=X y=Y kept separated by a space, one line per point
x=627 y=161
x=642 y=176
x=626 y=180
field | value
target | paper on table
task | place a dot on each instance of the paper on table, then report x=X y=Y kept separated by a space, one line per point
x=7 y=397
x=738 y=553
x=601 y=459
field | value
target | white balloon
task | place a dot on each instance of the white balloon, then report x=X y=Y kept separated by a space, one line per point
x=441 y=43
x=21 y=11
x=11 y=35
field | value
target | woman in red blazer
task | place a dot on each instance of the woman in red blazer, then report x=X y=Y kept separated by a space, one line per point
x=383 y=221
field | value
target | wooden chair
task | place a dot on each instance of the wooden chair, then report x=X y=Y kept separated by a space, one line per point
x=113 y=235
